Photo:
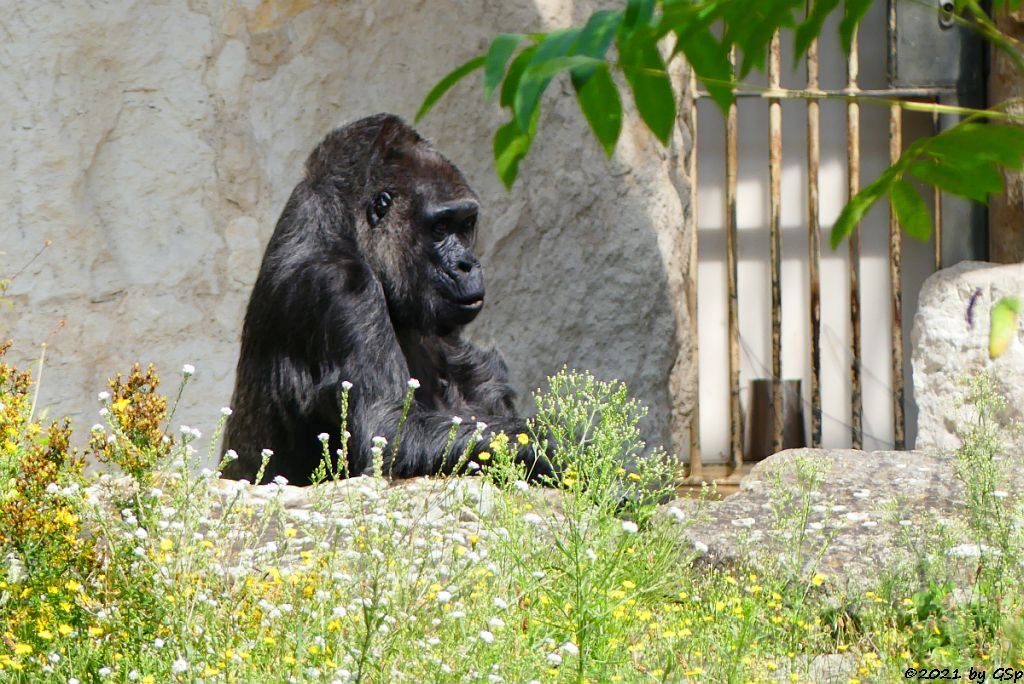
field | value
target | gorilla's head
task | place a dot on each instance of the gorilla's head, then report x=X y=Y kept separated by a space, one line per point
x=415 y=219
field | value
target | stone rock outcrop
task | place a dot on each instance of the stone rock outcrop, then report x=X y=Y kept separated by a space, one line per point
x=950 y=346
x=863 y=504
x=156 y=144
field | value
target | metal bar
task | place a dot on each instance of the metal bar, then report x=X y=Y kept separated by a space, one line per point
x=937 y=202
x=814 y=243
x=774 y=182
x=895 y=251
x=853 y=243
x=731 y=161
x=696 y=464
x=841 y=93
x=895 y=278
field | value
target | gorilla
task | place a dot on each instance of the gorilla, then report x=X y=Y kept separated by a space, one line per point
x=368 y=279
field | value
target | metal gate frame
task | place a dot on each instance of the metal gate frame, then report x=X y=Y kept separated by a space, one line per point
x=958 y=82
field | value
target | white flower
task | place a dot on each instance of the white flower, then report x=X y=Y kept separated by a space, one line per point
x=496 y=623
x=346 y=385
x=533 y=519
x=629 y=526
x=700 y=547
x=1000 y=494
x=676 y=513
x=554 y=659
x=231 y=455
x=906 y=523
x=472 y=466
x=379 y=441
x=570 y=648
x=225 y=411
x=180 y=665
x=188 y=370
x=139 y=551
x=280 y=480
x=141 y=533
x=743 y=522
x=500 y=603
x=158 y=642
x=323 y=437
x=480 y=427
x=73 y=680
x=486 y=637
x=98 y=428
x=456 y=420
x=103 y=396
x=104 y=671
x=104 y=412
x=52 y=488
x=267 y=453
x=443 y=596
x=413 y=383
x=521 y=485
x=133 y=676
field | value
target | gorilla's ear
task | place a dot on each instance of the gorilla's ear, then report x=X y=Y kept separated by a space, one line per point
x=393 y=135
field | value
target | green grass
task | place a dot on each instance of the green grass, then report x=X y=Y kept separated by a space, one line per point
x=159 y=576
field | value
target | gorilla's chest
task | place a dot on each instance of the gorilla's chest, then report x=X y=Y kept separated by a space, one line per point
x=439 y=390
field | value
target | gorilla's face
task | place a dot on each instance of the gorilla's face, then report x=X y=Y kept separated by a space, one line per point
x=420 y=227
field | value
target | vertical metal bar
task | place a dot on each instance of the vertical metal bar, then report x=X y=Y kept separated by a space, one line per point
x=814 y=242
x=696 y=464
x=731 y=161
x=853 y=178
x=937 y=202
x=895 y=252
x=895 y=278
x=774 y=182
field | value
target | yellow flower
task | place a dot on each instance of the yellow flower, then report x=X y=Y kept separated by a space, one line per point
x=484 y=456
x=72 y=585
x=523 y=439
x=334 y=625
x=148 y=679
x=818 y=579
x=473 y=539
x=45 y=634
x=290 y=532
x=629 y=584
x=95 y=631
x=120 y=405
x=166 y=544
x=289 y=660
x=64 y=630
x=22 y=649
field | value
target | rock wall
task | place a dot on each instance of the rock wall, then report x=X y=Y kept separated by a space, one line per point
x=155 y=144
x=951 y=347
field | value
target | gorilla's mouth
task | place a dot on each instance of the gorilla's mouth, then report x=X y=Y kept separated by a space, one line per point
x=473 y=304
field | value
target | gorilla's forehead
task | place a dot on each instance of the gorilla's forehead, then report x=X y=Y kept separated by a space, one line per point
x=431 y=173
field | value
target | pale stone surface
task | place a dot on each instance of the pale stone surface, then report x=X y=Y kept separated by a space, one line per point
x=864 y=514
x=155 y=145
x=951 y=347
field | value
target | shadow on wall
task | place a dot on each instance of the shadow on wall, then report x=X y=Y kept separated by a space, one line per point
x=159 y=165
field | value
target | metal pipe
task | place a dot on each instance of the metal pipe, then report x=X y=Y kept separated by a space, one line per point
x=814 y=243
x=731 y=161
x=853 y=244
x=775 y=228
x=696 y=464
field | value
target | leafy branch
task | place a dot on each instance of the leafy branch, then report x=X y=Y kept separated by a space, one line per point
x=965 y=160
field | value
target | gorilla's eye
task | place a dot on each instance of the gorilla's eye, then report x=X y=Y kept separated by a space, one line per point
x=378 y=208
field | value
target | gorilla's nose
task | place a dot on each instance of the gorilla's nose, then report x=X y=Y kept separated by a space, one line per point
x=467 y=264
x=460 y=213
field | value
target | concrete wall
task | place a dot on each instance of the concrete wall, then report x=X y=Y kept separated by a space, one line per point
x=155 y=144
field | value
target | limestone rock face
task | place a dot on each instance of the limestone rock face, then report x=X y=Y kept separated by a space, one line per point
x=863 y=512
x=156 y=144
x=950 y=340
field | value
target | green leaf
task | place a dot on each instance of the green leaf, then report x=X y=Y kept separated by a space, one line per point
x=854 y=211
x=501 y=49
x=1005 y=317
x=510 y=147
x=810 y=28
x=710 y=60
x=974 y=182
x=975 y=143
x=558 y=64
x=652 y=90
x=515 y=74
x=911 y=211
x=599 y=100
x=596 y=37
x=445 y=84
x=531 y=86
x=853 y=13
x=638 y=14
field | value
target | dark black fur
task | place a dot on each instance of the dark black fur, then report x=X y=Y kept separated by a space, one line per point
x=342 y=295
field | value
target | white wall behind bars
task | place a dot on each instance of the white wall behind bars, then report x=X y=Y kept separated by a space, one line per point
x=753 y=251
